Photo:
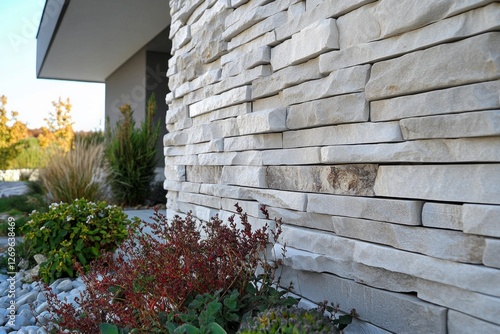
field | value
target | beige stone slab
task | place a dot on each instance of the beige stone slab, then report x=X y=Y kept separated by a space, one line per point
x=481 y=96
x=471 y=124
x=344 y=81
x=355 y=180
x=203 y=174
x=464 y=276
x=250 y=176
x=462 y=323
x=277 y=198
x=263 y=141
x=395 y=312
x=224 y=113
x=482 y=219
x=447 y=216
x=243 y=78
x=356 y=133
x=246 y=158
x=175 y=173
x=350 y=108
x=317 y=38
x=181 y=160
x=433 y=150
x=271 y=120
x=252 y=208
x=232 y=97
x=199 y=199
x=404 y=212
x=452 y=183
x=222 y=190
x=294 y=156
x=302 y=219
x=491 y=254
x=472 y=60
x=216 y=145
x=442 y=244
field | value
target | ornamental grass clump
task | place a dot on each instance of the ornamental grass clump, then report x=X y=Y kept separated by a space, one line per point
x=173 y=276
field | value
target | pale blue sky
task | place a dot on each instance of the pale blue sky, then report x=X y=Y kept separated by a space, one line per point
x=30 y=96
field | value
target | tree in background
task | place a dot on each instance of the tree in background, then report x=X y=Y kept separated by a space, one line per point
x=59 y=130
x=131 y=154
x=12 y=132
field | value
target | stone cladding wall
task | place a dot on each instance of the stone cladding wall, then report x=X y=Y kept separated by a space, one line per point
x=371 y=127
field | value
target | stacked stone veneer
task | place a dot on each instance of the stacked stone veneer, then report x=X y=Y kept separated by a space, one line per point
x=371 y=127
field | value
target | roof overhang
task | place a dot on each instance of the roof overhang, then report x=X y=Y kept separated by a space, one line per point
x=87 y=40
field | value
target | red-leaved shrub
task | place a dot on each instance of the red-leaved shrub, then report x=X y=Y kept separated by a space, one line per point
x=154 y=274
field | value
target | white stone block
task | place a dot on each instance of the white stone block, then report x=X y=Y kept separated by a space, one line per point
x=246 y=158
x=175 y=173
x=253 y=142
x=491 y=256
x=442 y=244
x=249 y=176
x=302 y=219
x=271 y=102
x=350 y=108
x=468 y=61
x=182 y=37
x=219 y=114
x=232 y=97
x=448 y=216
x=277 y=198
x=244 y=78
x=260 y=56
x=344 y=81
x=482 y=219
x=471 y=124
x=460 y=26
x=395 y=312
x=265 y=40
x=286 y=77
x=343 y=134
x=481 y=96
x=432 y=150
x=310 y=42
x=203 y=200
x=203 y=174
x=273 y=120
x=252 y=208
x=294 y=156
x=451 y=183
x=404 y=212
x=223 y=191
x=461 y=323
x=464 y=276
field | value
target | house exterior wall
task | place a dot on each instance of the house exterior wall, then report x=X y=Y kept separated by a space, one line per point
x=371 y=127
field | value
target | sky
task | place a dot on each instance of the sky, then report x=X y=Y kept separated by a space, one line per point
x=32 y=97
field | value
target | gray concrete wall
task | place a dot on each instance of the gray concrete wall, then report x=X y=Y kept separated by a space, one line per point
x=371 y=127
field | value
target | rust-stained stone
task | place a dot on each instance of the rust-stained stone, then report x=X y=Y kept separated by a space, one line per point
x=356 y=179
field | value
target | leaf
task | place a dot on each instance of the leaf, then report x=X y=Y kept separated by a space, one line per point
x=108 y=328
x=215 y=328
x=186 y=329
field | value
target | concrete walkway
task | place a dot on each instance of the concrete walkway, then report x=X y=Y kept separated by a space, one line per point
x=13 y=188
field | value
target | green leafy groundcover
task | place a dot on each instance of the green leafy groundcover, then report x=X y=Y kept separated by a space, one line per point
x=76 y=232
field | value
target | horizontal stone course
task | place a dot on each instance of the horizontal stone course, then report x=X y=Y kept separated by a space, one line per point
x=438 y=67
x=447 y=216
x=461 y=323
x=253 y=142
x=472 y=124
x=453 y=183
x=432 y=150
x=482 y=219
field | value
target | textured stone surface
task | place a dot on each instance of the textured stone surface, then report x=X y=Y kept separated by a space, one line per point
x=254 y=142
x=387 y=210
x=481 y=96
x=472 y=124
x=247 y=158
x=438 y=67
x=286 y=77
x=406 y=312
x=219 y=114
x=482 y=219
x=272 y=120
x=350 y=80
x=491 y=251
x=348 y=108
x=244 y=78
x=216 y=145
x=260 y=56
x=244 y=176
x=311 y=41
x=448 y=245
x=203 y=174
x=283 y=199
x=434 y=150
x=461 y=323
x=465 y=276
x=234 y=96
x=342 y=179
x=453 y=183
x=294 y=156
x=203 y=200
x=303 y=219
x=175 y=173
x=343 y=134
x=448 y=216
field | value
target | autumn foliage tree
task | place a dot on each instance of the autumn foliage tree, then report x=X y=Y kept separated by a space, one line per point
x=12 y=132
x=59 y=130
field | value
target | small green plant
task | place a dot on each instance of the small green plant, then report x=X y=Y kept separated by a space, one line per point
x=75 y=232
x=131 y=153
x=75 y=174
x=293 y=320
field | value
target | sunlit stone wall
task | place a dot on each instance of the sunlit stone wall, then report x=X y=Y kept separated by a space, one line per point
x=371 y=127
